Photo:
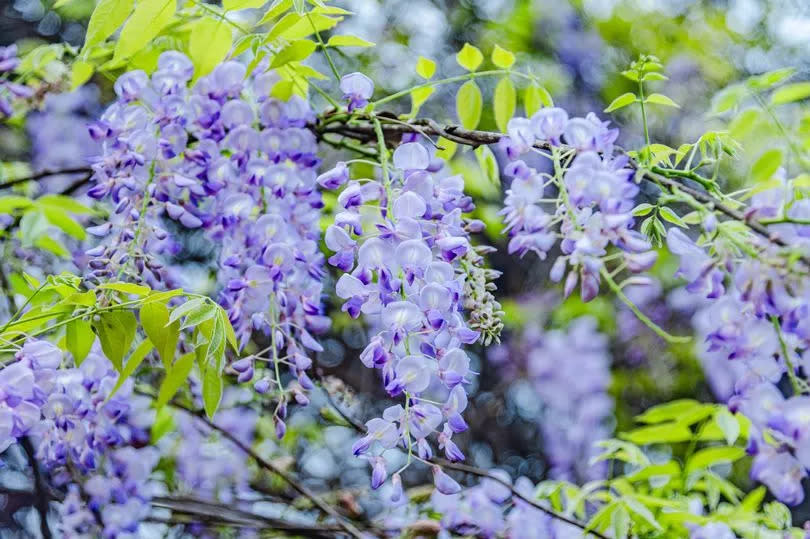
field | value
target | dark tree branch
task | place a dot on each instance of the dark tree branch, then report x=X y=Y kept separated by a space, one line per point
x=40 y=488
x=474 y=138
x=46 y=174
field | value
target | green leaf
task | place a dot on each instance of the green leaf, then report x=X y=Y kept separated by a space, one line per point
x=665 y=433
x=164 y=335
x=163 y=424
x=620 y=523
x=710 y=456
x=790 y=93
x=80 y=73
x=209 y=44
x=275 y=10
x=488 y=163
x=468 y=104
x=643 y=209
x=175 y=378
x=766 y=166
x=127 y=288
x=79 y=339
x=64 y=203
x=211 y=391
x=670 y=216
x=182 y=310
x=294 y=52
x=622 y=101
x=49 y=244
x=469 y=57
x=230 y=335
x=307 y=25
x=770 y=78
x=11 y=203
x=67 y=224
x=418 y=97
x=653 y=76
x=108 y=16
x=233 y=5
x=148 y=19
x=116 y=331
x=670 y=411
x=448 y=149
x=504 y=102
x=779 y=514
x=534 y=98
x=728 y=98
x=196 y=317
x=134 y=361
x=502 y=57
x=425 y=67
x=728 y=423
x=661 y=99
x=348 y=41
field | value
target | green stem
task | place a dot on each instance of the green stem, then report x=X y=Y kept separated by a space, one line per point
x=324 y=48
x=794 y=380
x=382 y=151
x=708 y=184
x=640 y=315
x=643 y=114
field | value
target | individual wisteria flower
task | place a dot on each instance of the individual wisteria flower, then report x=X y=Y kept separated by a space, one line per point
x=224 y=158
x=569 y=370
x=10 y=91
x=405 y=252
x=85 y=438
x=589 y=207
x=357 y=88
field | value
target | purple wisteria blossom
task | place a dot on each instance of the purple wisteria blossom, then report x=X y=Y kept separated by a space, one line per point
x=10 y=91
x=357 y=89
x=224 y=158
x=400 y=246
x=591 y=207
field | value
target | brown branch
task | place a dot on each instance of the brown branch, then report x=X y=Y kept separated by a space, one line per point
x=40 y=488
x=348 y=527
x=475 y=138
x=46 y=174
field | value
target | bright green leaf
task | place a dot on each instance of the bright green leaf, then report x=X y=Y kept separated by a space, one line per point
x=294 y=52
x=61 y=219
x=622 y=101
x=108 y=16
x=425 y=67
x=134 y=361
x=208 y=45
x=488 y=163
x=504 y=102
x=155 y=322
x=661 y=99
x=790 y=93
x=175 y=378
x=80 y=73
x=162 y=425
x=468 y=104
x=233 y=5
x=127 y=288
x=116 y=331
x=671 y=411
x=766 y=166
x=728 y=423
x=148 y=19
x=469 y=57
x=448 y=148
x=502 y=57
x=659 y=434
x=534 y=98
x=670 y=216
x=11 y=203
x=348 y=41
x=419 y=95
x=79 y=339
x=710 y=456
x=211 y=391
x=185 y=308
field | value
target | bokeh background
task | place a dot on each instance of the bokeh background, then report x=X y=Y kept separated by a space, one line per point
x=528 y=395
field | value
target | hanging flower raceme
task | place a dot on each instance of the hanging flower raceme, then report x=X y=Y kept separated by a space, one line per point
x=222 y=157
x=82 y=432
x=401 y=247
x=591 y=208
x=10 y=91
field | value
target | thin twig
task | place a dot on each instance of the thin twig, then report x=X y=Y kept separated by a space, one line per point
x=267 y=465
x=46 y=174
x=40 y=488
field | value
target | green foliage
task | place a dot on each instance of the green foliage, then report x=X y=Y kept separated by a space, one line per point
x=209 y=44
x=469 y=104
x=425 y=67
x=504 y=102
x=469 y=57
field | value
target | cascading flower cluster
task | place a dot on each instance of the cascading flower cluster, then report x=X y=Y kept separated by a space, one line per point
x=755 y=316
x=224 y=157
x=81 y=432
x=570 y=371
x=592 y=208
x=400 y=245
x=10 y=91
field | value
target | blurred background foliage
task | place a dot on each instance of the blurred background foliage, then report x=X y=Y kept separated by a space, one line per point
x=578 y=49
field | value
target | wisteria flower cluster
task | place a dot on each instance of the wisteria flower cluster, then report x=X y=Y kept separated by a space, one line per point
x=80 y=427
x=224 y=158
x=400 y=244
x=592 y=208
x=569 y=370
